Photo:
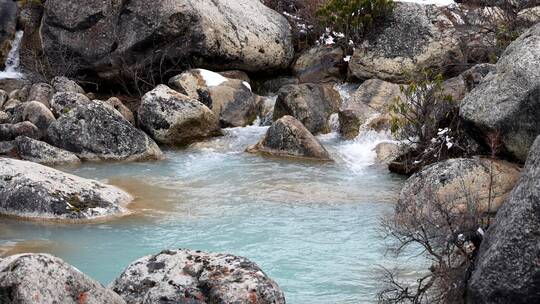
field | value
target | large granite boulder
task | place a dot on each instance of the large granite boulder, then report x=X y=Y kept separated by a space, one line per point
x=455 y=187
x=42 y=153
x=42 y=278
x=507 y=101
x=507 y=266
x=63 y=102
x=312 y=104
x=173 y=118
x=96 y=131
x=31 y=190
x=230 y=99
x=8 y=26
x=112 y=36
x=289 y=138
x=188 y=276
x=320 y=64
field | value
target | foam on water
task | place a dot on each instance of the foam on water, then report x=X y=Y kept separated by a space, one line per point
x=13 y=59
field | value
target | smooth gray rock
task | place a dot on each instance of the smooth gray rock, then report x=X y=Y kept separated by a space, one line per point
x=109 y=37
x=188 y=276
x=42 y=153
x=173 y=118
x=311 y=104
x=63 y=102
x=96 y=131
x=42 y=278
x=507 y=266
x=32 y=190
x=38 y=114
x=64 y=84
x=508 y=100
x=320 y=64
x=289 y=138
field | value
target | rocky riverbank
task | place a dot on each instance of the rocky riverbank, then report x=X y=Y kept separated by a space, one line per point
x=458 y=86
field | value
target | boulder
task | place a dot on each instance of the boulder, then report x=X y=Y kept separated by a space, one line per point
x=25 y=128
x=236 y=74
x=456 y=187
x=3 y=97
x=119 y=106
x=289 y=138
x=387 y=152
x=265 y=109
x=230 y=99
x=11 y=103
x=374 y=96
x=272 y=85
x=41 y=92
x=507 y=268
x=188 y=276
x=311 y=104
x=320 y=64
x=173 y=118
x=8 y=148
x=8 y=26
x=111 y=37
x=507 y=101
x=38 y=114
x=11 y=84
x=42 y=278
x=4 y=117
x=416 y=37
x=63 y=102
x=42 y=153
x=96 y=131
x=64 y=84
x=31 y=190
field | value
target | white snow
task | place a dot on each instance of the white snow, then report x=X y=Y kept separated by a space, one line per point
x=246 y=84
x=436 y=2
x=212 y=79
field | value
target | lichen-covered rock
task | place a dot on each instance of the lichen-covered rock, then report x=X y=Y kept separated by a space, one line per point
x=42 y=153
x=320 y=64
x=109 y=37
x=96 y=131
x=31 y=190
x=41 y=92
x=175 y=119
x=312 y=104
x=507 y=101
x=42 y=278
x=457 y=186
x=188 y=276
x=63 y=102
x=64 y=84
x=507 y=266
x=25 y=128
x=289 y=138
x=4 y=117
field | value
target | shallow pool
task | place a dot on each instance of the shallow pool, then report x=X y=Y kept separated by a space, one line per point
x=313 y=227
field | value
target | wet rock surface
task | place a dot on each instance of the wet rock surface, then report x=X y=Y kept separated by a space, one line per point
x=42 y=153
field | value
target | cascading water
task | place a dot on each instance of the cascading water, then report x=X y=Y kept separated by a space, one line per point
x=13 y=59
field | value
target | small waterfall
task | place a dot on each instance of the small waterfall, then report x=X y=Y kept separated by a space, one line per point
x=13 y=59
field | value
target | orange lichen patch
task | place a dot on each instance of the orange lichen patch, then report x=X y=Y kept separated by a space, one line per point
x=82 y=298
x=253 y=297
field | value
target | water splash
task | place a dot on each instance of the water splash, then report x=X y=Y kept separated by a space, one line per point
x=13 y=59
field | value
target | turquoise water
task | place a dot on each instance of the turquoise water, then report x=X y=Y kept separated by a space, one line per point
x=313 y=227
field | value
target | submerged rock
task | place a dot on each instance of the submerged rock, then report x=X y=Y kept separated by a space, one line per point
x=288 y=137
x=31 y=190
x=312 y=104
x=456 y=187
x=175 y=119
x=110 y=37
x=507 y=101
x=96 y=131
x=42 y=153
x=42 y=278
x=187 y=276
x=507 y=266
